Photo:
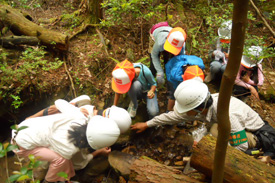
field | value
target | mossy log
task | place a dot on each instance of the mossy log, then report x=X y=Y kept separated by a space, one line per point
x=144 y=169
x=19 y=25
x=12 y=41
x=239 y=167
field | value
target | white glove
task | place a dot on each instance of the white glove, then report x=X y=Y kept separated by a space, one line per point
x=218 y=54
x=160 y=78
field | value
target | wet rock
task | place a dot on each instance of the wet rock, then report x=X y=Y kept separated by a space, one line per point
x=94 y=169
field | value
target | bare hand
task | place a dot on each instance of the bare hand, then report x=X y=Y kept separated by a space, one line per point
x=226 y=54
x=245 y=78
x=265 y=159
x=254 y=92
x=140 y=127
x=84 y=111
x=105 y=151
x=150 y=94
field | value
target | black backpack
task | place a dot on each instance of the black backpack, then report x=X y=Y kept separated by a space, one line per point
x=266 y=137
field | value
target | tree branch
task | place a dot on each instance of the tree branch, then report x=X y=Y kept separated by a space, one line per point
x=262 y=17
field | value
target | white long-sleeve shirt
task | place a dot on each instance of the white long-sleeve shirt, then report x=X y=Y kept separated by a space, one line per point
x=52 y=131
x=241 y=116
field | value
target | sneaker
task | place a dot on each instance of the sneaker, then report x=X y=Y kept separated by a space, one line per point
x=131 y=110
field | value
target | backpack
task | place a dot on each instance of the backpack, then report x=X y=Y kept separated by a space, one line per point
x=174 y=67
x=266 y=137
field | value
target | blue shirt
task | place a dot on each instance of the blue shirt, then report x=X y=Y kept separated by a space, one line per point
x=145 y=77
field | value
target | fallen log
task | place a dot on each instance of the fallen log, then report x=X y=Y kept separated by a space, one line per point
x=239 y=167
x=19 y=25
x=12 y=41
x=144 y=169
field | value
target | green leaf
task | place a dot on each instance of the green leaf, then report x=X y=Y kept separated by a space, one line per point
x=13 y=178
x=62 y=174
x=22 y=128
x=37 y=164
x=117 y=61
x=32 y=158
x=24 y=170
x=30 y=173
x=23 y=177
x=142 y=59
x=14 y=127
x=11 y=147
x=2 y=153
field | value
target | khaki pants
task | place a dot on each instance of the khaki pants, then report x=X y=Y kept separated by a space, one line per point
x=250 y=137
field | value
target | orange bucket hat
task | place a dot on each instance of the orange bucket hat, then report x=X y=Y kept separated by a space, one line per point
x=175 y=40
x=123 y=75
x=192 y=72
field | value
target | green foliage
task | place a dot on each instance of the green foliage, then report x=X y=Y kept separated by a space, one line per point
x=26 y=172
x=117 y=11
x=15 y=78
x=4 y=149
x=16 y=101
x=71 y=20
x=26 y=4
x=63 y=174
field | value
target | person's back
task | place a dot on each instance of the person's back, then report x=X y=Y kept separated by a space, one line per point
x=49 y=131
x=240 y=113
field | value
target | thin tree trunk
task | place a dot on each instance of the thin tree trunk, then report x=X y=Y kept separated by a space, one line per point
x=236 y=50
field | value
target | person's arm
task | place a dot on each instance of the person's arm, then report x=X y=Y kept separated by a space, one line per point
x=155 y=54
x=116 y=99
x=260 y=75
x=151 y=92
x=104 y=151
x=240 y=79
x=150 y=78
x=65 y=107
x=236 y=127
x=44 y=112
x=165 y=118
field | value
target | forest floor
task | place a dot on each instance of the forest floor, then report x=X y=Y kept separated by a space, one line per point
x=91 y=69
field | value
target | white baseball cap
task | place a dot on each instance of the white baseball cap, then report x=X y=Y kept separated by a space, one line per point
x=175 y=40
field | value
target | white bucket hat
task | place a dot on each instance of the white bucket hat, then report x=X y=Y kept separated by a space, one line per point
x=252 y=57
x=224 y=31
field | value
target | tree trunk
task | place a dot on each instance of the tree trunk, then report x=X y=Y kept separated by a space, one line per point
x=144 y=169
x=239 y=167
x=19 y=25
x=236 y=50
x=95 y=10
x=12 y=41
